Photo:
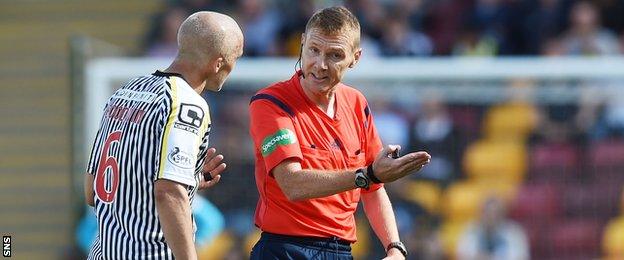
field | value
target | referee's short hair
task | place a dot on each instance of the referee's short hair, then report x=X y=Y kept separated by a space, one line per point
x=335 y=20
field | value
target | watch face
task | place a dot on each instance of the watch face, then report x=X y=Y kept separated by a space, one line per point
x=360 y=182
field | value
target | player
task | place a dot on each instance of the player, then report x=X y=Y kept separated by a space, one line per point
x=318 y=153
x=152 y=144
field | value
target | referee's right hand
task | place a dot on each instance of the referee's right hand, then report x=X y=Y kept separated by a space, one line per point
x=212 y=169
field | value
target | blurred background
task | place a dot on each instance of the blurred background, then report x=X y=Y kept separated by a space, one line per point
x=520 y=103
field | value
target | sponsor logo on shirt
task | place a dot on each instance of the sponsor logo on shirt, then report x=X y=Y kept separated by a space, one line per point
x=191 y=114
x=186 y=127
x=180 y=158
x=190 y=118
x=281 y=137
x=133 y=95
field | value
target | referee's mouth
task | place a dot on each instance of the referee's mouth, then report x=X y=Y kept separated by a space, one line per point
x=318 y=78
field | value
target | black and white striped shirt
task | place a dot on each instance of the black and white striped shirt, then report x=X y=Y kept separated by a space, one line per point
x=154 y=127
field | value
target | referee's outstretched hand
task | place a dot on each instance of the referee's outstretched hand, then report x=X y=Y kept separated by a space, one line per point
x=389 y=169
x=212 y=169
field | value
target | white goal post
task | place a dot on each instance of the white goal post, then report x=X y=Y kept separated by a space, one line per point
x=465 y=80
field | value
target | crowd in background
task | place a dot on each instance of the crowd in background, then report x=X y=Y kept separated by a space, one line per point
x=415 y=28
x=420 y=27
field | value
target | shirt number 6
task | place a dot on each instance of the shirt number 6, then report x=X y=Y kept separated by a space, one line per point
x=104 y=194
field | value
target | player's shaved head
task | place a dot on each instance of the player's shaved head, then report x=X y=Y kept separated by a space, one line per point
x=205 y=35
x=209 y=44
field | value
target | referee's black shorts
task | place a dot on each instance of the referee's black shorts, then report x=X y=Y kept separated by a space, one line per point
x=274 y=246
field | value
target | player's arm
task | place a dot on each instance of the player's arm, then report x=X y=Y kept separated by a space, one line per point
x=174 y=213
x=380 y=215
x=88 y=189
x=178 y=153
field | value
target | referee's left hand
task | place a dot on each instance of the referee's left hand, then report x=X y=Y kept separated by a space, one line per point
x=212 y=169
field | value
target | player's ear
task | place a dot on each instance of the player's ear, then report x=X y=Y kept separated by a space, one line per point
x=217 y=64
x=356 y=57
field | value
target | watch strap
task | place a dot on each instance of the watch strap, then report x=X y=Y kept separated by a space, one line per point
x=398 y=245
x=371 y=174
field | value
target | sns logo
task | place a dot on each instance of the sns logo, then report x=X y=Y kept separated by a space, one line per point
x=191 y=114
x=6 y=246
x=180 y=158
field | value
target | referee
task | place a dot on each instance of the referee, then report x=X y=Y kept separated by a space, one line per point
x=152 y=145
x=318 y=153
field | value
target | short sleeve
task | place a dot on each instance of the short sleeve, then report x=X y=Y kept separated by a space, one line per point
x=273 y=133
x=373 y=144
x=94 y=157
x=182 y=136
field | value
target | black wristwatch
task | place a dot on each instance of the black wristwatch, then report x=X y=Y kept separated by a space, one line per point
x=371 y=174
x=361 y=180
x=398 y=245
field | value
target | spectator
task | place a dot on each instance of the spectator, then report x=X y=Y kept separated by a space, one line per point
x=611 y=12
x=493 y=236
x=393 y=127
x=161 y=41
x=586 y=36
x=371 y=15
x=435 y=132
x=552 y=47
x=398 y=39
x=542 y=24
x=261 y=24
x=486 y=29
x=556 y=123
x=487 y=19
x=474 y=42
x=419 y=27
x=201 y=5
x=293 y=25
x=445 y=23
x=413 y=10
x=601 y=111
x=622 y=44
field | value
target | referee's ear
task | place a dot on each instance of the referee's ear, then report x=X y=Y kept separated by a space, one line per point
x=356 y=57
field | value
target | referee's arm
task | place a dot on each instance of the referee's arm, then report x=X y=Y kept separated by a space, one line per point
x=174 y=213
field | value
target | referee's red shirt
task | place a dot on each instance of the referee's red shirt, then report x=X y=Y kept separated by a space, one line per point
x=299 y=129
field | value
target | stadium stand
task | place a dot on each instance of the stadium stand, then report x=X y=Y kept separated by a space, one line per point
x=35 y=109
x=613 y=239
x=499 y=160
x=512 y=121
x=554 y=162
